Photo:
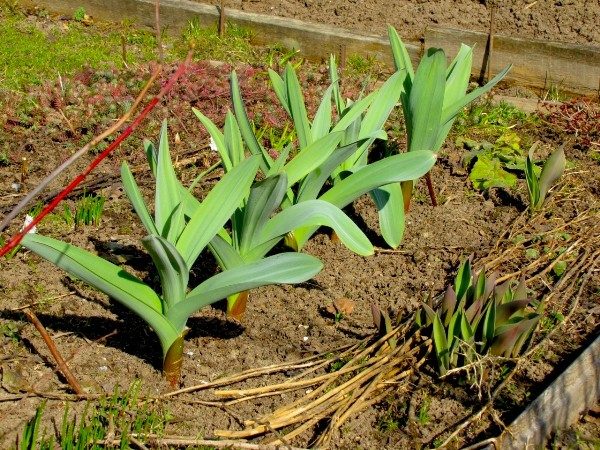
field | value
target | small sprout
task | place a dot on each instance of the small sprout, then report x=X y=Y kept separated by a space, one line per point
x=476 y=317
x=532 y=253
x=538 y=187
x=559 y=268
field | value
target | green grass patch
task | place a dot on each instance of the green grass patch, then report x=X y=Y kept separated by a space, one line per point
x=36 y=49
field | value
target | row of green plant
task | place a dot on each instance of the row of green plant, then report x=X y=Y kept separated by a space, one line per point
x=262 y=201
x=114 y=417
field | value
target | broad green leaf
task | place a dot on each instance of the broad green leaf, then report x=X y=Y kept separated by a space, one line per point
x=135 y=196
x=335 y=82
x=400 y=54
x=462 y=280
x=313 y=183
x=404 y=166
x=227 y=257
x=479 y=284
x=457 y=82
x=217 y=137
x=311 y=157
x=389 y=170
x=426 y=100
x=552 y=170
x=441 y=345
x=245 y=127
x=384 y=101
x=322 y=120
x=297 y=108
x=151 y=155
x=277 y=269
x=390 y=206
x=450 y=112
x=168 y=194
x=465 y=329
x=265 y=197
x=108 y=278
x=171 y=269
x=315 y=213
x=233 y=139
x=218 y=206
x=279 y=86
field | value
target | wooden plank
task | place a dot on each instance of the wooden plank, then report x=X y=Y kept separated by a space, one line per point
x=315 y=42
x=559 y=406
x=571 y=68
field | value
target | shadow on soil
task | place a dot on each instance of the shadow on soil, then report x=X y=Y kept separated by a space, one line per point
x=126 y=332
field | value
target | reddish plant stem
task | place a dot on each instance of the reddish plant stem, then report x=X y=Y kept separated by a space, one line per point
x=14 y=241
x=431 y=189
x=62 y=365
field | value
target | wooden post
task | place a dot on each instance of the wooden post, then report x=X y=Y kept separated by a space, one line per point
x=490 y=43
x=222 y=19
x=157 y=24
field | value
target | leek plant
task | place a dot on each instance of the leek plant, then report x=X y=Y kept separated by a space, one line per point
x=338 y=172
x=476 y=318
x=433 y=95
x=538 y=187
x=259 y=224
x=174 y=242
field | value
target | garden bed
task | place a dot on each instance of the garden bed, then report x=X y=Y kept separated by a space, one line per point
x=287 y=323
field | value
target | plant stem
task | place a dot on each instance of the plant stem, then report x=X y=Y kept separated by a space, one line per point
x=172 y=362
x=236 y=305
x=62 y=365
x=407 y=188
x=431 y=189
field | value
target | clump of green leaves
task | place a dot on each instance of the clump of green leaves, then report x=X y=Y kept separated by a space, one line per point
x=341 y=145
x=538 y=186
x=177 y=234
x=123 y=412
x=494 y=164
x=79 y=14
x=433 y=95
x=476 y=318
x=88 y=210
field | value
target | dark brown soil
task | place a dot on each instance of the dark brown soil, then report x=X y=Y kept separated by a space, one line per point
x=108 y=346
x=561 y=21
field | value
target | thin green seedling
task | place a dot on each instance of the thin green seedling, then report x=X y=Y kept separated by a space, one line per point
x=88 y=210
x=175 y=241
x=539 y=186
